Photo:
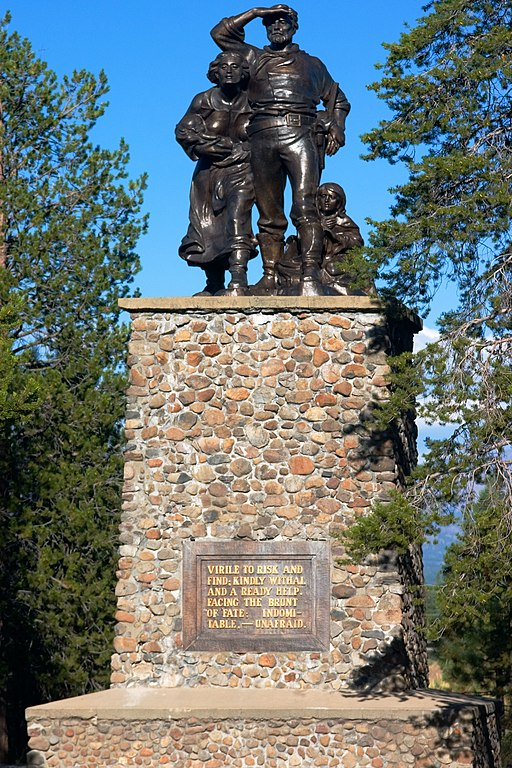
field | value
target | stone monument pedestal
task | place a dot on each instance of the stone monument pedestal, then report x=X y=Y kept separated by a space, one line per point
x=215 y=727
x=243 y=636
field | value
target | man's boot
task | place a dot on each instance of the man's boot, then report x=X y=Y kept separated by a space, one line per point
x=238 y=268
x=271 y=254
x=311 y=240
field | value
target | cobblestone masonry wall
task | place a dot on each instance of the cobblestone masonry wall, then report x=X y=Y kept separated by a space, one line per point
x=457 y=740
x=254 y=425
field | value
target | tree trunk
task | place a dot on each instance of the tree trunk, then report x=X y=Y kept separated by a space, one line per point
x=4 y=738
x=3 y=241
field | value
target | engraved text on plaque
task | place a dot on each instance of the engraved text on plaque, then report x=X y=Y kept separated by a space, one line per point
x=256 y=596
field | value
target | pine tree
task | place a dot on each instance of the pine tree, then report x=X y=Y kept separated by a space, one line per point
x=448 y=84
x=19 y=391
x=474 y=626
x=69 y=223
x=472 y=632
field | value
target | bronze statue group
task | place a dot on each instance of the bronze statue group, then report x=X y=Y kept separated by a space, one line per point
x=256 y=129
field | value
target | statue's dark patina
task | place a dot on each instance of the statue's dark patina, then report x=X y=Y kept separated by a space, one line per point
x=214 y=132
x=288 y=136
x=253 y=132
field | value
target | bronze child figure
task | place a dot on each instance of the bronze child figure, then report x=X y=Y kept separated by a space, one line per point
x=341 y=234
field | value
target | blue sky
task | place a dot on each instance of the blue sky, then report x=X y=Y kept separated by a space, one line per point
x=156 y=55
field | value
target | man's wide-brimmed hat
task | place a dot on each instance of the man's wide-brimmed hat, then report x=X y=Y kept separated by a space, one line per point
x=289 y=14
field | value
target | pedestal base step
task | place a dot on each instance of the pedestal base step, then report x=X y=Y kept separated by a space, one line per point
x=214 y=727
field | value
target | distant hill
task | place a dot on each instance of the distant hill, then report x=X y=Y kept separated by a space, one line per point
x=433 y=554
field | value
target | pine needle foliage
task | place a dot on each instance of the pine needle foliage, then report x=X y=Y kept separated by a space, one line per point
x=448 y=85
x=69 y=223
x=473 y=630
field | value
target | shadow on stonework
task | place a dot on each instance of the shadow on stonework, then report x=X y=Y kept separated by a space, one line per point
x=464 y=729
x=467 y=727
x=35 y=759
x=397 y=334
x=387 y=671
x=392 y=447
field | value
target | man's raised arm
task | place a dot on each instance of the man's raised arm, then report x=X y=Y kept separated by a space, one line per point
x=229 y=32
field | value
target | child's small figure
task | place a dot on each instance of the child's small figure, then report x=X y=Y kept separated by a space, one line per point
x=341 y=234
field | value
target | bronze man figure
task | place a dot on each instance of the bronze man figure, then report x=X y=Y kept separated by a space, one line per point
x=286 y=85
x=214 y=132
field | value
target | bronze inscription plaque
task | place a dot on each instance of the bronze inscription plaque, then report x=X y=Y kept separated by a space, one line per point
x=256 y=595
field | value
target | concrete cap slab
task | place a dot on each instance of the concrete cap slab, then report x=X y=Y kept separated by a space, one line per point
x=293 y=304
x=223 y=303
x=143 y=703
